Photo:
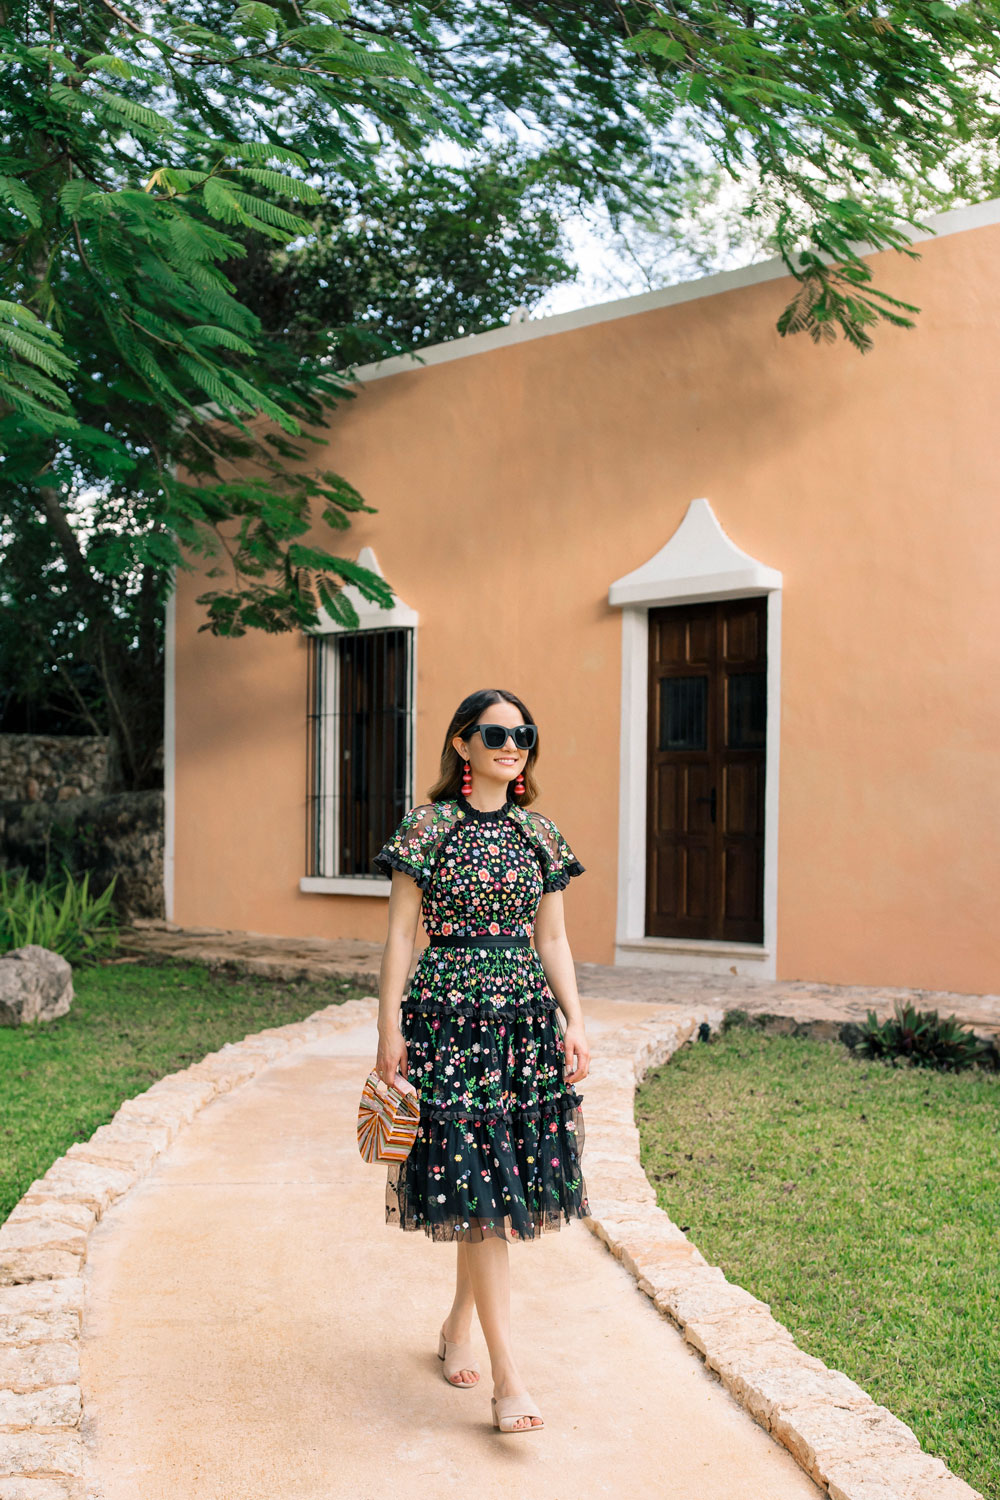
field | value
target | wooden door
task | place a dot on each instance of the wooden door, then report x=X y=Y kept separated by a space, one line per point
x=705 y=801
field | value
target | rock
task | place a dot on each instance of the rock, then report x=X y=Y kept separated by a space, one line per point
x=130 y=1155
x=36 y=1328
x=39 y=1366
x=63 y=1295
x=35 y=1205
x=18 y=1266
x=38 y=765
x=22 y=1487
x=42 y=1234
x=35 y=985
x=55 y=1406
x=42 y=1453
x=84 y=1182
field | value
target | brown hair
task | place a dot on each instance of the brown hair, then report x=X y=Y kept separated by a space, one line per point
x=468 y=712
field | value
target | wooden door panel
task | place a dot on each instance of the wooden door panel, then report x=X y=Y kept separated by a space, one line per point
x=741 y=631
x=706 y=749
x=671 y=647
x=700 y=635
x=741 y=885
x=682 y=882
x=698 y=801
x=742 y=805
x=697 y=883
x=668 y=803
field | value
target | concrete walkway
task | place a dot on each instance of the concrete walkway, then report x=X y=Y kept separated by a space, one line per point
x=252 y=1328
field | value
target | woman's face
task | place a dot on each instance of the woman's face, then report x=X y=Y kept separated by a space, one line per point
x=494 y=765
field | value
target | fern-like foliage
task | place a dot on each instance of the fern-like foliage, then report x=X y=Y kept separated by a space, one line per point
x=189 y=189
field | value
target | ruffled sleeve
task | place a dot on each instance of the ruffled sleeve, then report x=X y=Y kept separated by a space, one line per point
x=560 y=863
x=413 y=846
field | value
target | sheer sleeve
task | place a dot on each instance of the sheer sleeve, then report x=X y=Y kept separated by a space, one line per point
x=413 y=846
x=560 y=863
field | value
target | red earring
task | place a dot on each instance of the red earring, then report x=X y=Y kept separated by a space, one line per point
x=466 y=780
x=519 y=784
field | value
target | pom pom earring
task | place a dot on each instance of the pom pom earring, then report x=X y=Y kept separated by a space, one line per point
x=519 y=784
x=466 y=780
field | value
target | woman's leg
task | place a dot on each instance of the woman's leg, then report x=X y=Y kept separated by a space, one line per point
x=457 y=1325
x=489 y=1274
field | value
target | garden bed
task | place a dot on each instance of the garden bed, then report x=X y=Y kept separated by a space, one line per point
x=131 y=1023
x=857 y=1199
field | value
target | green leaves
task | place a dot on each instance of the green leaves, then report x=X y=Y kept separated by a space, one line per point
x=257 y=20
x=117 y=66
x=826 y=103
x=129 y=112
x=146 y=247
x=207 y=214
x=923 y=1039
x=280 y=182
x=20 y=197
x=59 y=913
x=32 y=369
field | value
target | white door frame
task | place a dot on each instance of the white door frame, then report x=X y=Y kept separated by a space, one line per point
x=698 y=564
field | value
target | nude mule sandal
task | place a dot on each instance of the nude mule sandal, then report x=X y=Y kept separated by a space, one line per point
x=454 y=1356
x=507 y=1409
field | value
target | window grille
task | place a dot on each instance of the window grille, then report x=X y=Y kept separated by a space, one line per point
x=360 y=741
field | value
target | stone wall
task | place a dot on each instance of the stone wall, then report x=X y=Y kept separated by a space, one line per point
x=106 y=835
x=50 y=767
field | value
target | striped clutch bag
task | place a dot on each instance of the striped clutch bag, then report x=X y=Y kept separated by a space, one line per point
x=387 y=1119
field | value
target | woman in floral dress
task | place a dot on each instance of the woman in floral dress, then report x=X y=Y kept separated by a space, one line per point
x=497 y=1154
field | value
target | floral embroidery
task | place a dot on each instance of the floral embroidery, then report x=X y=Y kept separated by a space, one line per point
x=501 y=1132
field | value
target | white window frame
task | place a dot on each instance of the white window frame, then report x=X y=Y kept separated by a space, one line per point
x=370 y=617
x=698 y=564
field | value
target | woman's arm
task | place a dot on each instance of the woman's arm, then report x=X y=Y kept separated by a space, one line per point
x=405 y=899
x=552 y=947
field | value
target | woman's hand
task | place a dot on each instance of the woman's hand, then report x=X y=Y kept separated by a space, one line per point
x=577 y=1053
x=391 y=1055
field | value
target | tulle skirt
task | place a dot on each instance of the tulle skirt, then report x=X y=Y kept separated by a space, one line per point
x=501 y=1133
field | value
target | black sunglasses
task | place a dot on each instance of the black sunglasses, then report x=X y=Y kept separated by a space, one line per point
x=495 y=736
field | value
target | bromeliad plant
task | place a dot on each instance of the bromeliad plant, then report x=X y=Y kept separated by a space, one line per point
x=923 y=1039
x=57 y=913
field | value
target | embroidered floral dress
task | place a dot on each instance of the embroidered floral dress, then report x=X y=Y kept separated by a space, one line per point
x=501 y=1132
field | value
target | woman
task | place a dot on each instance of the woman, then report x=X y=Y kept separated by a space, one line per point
x=497 y=1154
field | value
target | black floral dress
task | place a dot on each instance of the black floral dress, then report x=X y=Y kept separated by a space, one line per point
x=501 y=1132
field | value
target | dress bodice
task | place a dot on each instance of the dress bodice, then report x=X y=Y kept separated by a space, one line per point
x=482 y=873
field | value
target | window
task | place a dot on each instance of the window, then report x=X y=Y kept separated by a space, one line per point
x=360 y=722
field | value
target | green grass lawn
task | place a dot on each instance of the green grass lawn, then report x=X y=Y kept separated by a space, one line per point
x=129 y=1024
x=862 y=1202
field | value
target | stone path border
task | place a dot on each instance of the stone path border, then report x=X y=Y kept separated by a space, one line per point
x=850 y=1446
x=43 y=1247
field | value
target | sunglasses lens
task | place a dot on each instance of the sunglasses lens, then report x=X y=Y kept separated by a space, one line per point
x=495 y=735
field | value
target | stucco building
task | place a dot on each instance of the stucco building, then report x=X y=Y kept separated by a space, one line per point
x=748 y=587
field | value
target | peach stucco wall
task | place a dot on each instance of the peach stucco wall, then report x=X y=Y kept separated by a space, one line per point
x=513 y=486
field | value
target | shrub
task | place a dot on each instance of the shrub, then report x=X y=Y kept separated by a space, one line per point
x=921 y=1038
x=58 y=913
